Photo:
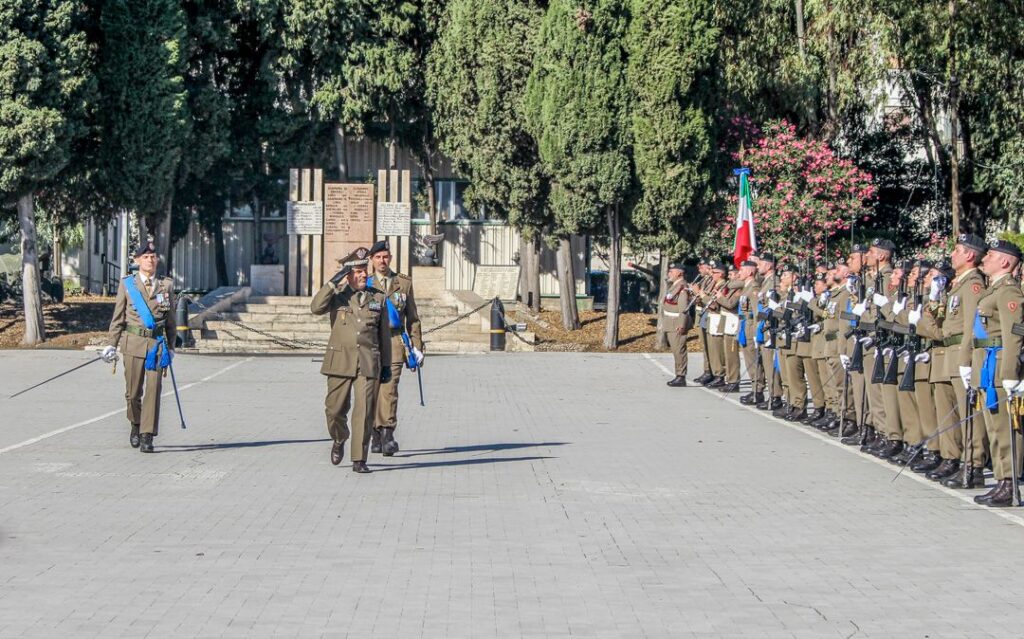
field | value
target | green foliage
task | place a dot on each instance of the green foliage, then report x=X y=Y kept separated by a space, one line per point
x=144 y=109
x=46 y=85
x=673 y=61
x=577 y=107
x=476 y=82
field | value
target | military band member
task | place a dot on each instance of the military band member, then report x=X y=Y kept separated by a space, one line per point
x=397 y=288
x=995 y=359
x=958 y=334
x=358 y=355
x=143 y=326
x=709 y=295
x=732 y=323
x=675 y=319
x=701 y=313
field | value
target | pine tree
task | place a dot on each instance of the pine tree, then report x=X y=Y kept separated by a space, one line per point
x=577 y=108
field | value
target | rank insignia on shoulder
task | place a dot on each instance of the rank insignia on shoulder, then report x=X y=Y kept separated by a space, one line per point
x=1012 y=306
x=976 y=288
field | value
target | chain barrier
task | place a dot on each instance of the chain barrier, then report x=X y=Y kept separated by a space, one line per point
x=298 y=344
x=515 y=333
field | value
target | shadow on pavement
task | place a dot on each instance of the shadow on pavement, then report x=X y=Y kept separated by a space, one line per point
x=184 y=448
x=456 y=462
x=487 y=448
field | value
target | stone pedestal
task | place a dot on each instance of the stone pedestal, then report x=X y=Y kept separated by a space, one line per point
x=266 y=279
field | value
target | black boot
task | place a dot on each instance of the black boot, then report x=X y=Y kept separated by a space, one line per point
x=929 y=461
x=818 y=414
x=715 y=382
x=752 y=398
x=146 y=442
x=387 y=436
x=337 y=452
x=703 y=379
x=375 y=441
x=796 y=414
x=133 y=437
x=360 y=467
x=999 y=497
x=677 y=381
x=947 y=468
x=730 y=388
x=849 y=427
x=890 y=449
x=975 y=478
x=855 y=438
x=904 y=455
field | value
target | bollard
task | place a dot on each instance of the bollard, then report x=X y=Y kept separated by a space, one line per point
x=184 y=336
x=497 y=325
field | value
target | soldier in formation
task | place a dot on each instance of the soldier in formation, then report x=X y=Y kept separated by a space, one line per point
x=915 y=362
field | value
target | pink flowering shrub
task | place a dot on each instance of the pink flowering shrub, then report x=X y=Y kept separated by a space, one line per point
x=803 y=195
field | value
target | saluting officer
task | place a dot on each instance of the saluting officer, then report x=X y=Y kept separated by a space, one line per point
x=358 y=355
x=397 y=288
x=143 y=326
x=675 y=319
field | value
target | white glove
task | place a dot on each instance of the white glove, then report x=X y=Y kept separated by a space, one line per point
x=417 y=356
x=914 y=316
x=806 y=296
x=851 y=285
x=823 y=298
x=899 y=305
x=815 y=328
x=935 y=289
x=1019 y=389
x=879 y=299
x=109 y=354
x=965 y=376
x=1010 y=384
x=844 y=360
x=772 y=304
x=887 y=352
x=798 y=333
x=866 y=342
x=859 y=309
x=923 y=358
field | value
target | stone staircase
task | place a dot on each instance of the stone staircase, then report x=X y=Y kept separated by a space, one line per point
x=283 y=322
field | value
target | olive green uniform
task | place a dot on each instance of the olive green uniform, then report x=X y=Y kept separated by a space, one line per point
x=358 y=349
x=729 y=305
x=397 y=288
x=675 y=320
x=774 y=383
x=142 y=387
x=958 y=335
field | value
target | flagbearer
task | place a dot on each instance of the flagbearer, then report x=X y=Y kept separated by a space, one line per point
x=402 y=318
x=143 y=326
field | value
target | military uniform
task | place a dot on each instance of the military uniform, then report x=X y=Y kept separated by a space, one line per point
x=675 y=319
x=768 y=293
x=835 y=329
x=729 y=303
x=715 y=331
x=358 y=357
x=129 y=332
x=937 y=392
x=995 y=348
x=397 y=288
x=747 y=309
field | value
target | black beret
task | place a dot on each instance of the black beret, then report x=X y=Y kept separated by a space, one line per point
x=923 y=265
x=675 y=265
x=144 y=249
x=748 y=263
x=787 y=267
x=972 y=241
x=766 y=257
x=378 y=247
x=858 y=248
x=1009 y=248
x=906 y=265
x=883 y=244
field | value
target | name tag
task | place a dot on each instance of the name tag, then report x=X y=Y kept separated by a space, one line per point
x=374 y=306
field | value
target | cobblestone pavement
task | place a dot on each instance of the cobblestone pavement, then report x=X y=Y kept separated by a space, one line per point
x=536 y=494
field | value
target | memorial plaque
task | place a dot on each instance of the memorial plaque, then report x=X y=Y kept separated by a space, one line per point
x=393 y=218
x=496 y=281
x=348 y=222
x=305 y=218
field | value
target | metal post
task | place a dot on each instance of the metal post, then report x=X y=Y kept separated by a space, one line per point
x=497 y=325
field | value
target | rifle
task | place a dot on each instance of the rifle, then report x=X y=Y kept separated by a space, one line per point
x=913 y=345
x=895 y=349
x=969 y=399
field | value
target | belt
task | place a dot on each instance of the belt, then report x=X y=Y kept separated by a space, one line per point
x=953 y=340
x=831 y=337
x=140 y=331
x=670 y=314
x=988 y=343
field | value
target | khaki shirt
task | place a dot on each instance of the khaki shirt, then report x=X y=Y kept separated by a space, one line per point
x=360 y=342
x=998 y=310
x=961 y=303
x=398 y=288
x=161 y=304
x=673 y=308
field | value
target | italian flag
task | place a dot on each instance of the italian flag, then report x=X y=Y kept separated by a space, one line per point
x=746 y=242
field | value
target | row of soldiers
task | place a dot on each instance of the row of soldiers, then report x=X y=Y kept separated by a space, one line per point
x=915 y=362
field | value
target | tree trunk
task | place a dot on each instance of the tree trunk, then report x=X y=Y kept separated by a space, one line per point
x=219 y=256
x=524 y=269
x=35 y=330
x=392 y=148
x=341 y=152
x=535 y=247
x=428 y=182
x=611 y=332
x=567 y=285
x=954 y=104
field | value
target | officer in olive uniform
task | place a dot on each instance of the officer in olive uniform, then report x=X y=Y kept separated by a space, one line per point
x=675 y=319
x=995 y=360
x=835 y=345
x=968 y=286
x=146 y=339
x=729 y=300
x=398 y=289
x=936 y=423
x=709 y=295
x=358 y=355
x=766 y=295
x=818 y=374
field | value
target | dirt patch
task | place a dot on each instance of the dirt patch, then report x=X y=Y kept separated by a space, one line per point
x=72 y=324
x=637 y=332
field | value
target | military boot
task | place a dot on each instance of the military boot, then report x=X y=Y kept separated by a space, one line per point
x=796 y=414
x=360 y=467
x=337 y=452
x=999 y=497
x=855 y=438
x=716 y=382
x=677 y=381
x=146 y=442
x=818 y=414
x=133 y=437
x=928 y=462
x=730 y=388
x=781 y=410
x=390 y=446
x=752 y=398
x=947 y=468
x=703 y=379
x=975 y=478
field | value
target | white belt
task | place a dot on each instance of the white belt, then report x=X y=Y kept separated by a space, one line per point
x=669 y=314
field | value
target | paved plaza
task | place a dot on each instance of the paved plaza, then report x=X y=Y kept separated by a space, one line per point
x=536 y=494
